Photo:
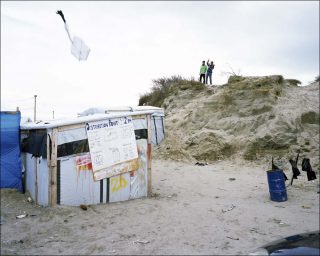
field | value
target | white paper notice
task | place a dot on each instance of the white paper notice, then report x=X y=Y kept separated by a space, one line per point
x=111 y=141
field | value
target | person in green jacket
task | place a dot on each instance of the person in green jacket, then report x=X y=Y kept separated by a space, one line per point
x=203 y=70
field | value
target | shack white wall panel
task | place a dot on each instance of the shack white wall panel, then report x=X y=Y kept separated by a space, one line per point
x=105 y=189
x=119 y=189
x=140 y=124
x=30 y=175
x=77 y=187
x=72 y=135
x=43 y=182
x=139 y=178
x=157 y=127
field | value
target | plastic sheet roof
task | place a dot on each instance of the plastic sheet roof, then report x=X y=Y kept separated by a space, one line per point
x=157 y=111
x=118 y=112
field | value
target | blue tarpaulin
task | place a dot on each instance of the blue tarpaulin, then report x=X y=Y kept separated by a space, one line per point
x=11 y=167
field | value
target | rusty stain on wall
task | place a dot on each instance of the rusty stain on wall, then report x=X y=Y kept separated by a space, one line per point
x=83 y=163
x=84 y=168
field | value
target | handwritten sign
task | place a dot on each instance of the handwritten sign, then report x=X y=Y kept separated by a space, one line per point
x=111 y=141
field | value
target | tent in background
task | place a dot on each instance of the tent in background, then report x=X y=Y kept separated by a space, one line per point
x=11 y=168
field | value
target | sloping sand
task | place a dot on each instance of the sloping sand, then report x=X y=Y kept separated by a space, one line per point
x=253 y=118
x=194 y=210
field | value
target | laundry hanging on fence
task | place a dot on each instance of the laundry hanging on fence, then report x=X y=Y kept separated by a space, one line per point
x=306 y=167
x=78 y=48
x=295 y=170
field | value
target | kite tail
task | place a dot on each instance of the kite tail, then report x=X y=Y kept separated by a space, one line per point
x=59 y=12
x=67 y=29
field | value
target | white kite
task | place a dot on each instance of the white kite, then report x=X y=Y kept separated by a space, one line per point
x=78 y=48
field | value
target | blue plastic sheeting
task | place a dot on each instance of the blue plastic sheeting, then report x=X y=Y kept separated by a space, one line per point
x=11 y=167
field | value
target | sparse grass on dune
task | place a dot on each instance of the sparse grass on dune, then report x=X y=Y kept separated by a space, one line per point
x=164 y=87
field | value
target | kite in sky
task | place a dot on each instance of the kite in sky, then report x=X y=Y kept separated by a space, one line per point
x=78 y=48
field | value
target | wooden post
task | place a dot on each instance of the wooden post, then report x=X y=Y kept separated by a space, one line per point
x=52 y=163
x=149 y=155
x=35 y=178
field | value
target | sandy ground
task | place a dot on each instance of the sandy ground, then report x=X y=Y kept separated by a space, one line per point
x=188 y=214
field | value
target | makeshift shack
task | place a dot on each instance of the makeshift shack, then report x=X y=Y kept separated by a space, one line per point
x=91 y=159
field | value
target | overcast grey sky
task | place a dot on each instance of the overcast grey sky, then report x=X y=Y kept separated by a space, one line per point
x=134 y=42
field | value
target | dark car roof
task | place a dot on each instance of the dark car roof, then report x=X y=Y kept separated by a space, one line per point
x=301 y=244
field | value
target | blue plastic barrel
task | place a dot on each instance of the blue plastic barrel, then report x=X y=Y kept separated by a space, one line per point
x=277 y=186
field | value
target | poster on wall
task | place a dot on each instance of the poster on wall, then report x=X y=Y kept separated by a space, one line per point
x=111 y=142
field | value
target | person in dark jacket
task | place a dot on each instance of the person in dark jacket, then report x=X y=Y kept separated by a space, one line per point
x=209 y=71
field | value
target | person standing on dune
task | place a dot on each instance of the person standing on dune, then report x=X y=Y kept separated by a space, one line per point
x=209 y=71
x=203 y=70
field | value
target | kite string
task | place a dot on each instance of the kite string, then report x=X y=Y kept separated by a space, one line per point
x=67 y=29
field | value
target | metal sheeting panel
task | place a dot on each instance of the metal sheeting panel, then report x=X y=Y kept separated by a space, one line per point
x=157 y=127
x=30 y=175
x=43 y=182
x=119 y=188
x=140 y=124
x=139 y=178
x=77 y=187
x=72 y=135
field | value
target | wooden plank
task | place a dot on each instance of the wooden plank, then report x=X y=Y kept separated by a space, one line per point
x=54 y=147
x=53 y=186
x=82 y=125
x=149 y=155
x=138 y=117
x=53 y=167
x=71 y=127
x=128 y=166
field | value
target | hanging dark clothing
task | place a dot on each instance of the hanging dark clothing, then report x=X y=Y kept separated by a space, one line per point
x=306 y=167
x=35 y=144
x=295 y=169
